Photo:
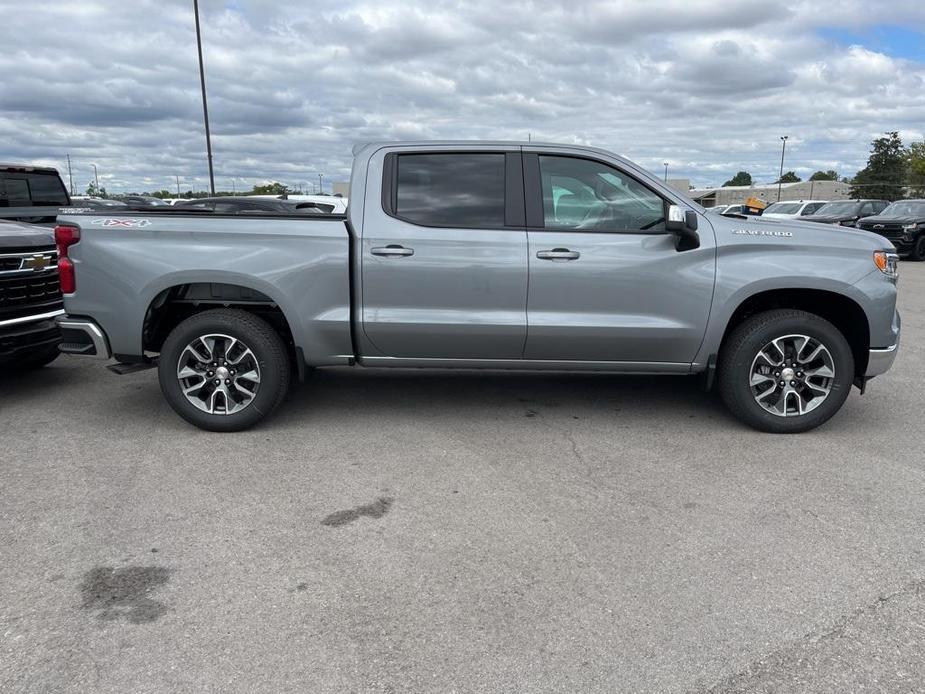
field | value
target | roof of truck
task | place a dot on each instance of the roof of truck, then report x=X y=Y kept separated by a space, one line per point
x=28 y=167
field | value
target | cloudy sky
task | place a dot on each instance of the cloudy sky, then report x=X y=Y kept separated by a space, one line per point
x=708 y=86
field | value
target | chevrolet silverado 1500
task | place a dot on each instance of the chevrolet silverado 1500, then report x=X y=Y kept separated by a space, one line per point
x=485 y=256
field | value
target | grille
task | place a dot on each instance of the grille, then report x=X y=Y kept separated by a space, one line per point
x=27 y=293
x=890 y=231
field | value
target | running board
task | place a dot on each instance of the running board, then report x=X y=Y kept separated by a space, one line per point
x=123 y=369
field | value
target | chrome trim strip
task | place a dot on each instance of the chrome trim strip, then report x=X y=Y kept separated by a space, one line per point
x=879 y=361
x=100 y=344
x=31 y=319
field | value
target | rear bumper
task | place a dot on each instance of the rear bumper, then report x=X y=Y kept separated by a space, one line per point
x=83 y=338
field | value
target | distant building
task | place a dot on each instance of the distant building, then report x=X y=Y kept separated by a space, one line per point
x=804 y=190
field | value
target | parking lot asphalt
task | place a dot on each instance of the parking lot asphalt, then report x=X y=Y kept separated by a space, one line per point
x=428 y=531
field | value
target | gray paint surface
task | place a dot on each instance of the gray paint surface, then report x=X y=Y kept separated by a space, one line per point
x=480 y=297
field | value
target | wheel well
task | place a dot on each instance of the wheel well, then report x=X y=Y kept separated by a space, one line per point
x=174 y=305
x=842 y=312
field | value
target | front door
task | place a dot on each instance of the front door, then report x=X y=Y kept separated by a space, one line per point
x=606 y=280
x=444 y=257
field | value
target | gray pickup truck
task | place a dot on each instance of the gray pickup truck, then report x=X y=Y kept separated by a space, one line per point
x=483 y=256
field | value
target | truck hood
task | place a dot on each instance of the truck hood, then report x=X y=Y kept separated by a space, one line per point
x=18 y=235
x=893 y=220
x=794 y=233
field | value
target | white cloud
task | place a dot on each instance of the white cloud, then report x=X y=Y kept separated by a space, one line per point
x=706 y=86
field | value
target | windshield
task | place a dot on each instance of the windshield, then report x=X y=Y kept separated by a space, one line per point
x=834 y=208
x=784 y=208
x=905 y=208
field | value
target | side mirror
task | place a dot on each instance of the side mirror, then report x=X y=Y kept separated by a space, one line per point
x=683 y=223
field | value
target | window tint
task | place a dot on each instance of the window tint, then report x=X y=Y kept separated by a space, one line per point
x=458 y=190
x=591 y=196
x=810 y=208
x=867 y=209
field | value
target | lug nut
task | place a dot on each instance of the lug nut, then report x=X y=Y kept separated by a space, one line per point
x=793 y=383
x=227 y=381
x=217 y=382
x=210 y=373
x=777 y=373
x=782 y=383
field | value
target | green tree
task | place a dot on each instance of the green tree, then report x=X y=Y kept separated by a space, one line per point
x=275 y=188
x=743 y=178
x=885 y=170
x=789 y=177
x=95 y=192
x=824 y=176
x=916 y=169
x=161 y=194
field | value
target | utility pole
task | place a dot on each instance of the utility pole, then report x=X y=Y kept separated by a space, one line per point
x=783 y=148
x=666 y=172
x=178 y=184
x=96 y=178
x=205 y=106
x=234 y=188
x=320 y=183
x=69 y=176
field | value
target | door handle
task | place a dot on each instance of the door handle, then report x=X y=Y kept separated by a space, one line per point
x=558 y=254
x=392 y=251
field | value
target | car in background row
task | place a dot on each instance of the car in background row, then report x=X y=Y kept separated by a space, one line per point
x=143 y=201
x=717 y=209
x=31 y=193
x=332 y=204
x=846 y=212
x=903 y=224
x=251 y=204
x=96 y=203
x=792 y=209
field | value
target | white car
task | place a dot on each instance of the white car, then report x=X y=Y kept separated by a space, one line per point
x=330 y=204
x=792 y=209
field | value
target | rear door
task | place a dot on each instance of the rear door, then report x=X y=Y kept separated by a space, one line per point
x=444 y=255
x=607 y=282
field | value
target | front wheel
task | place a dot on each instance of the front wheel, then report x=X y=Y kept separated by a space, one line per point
x=224 y=370
x=785 y=371
x=918 y=249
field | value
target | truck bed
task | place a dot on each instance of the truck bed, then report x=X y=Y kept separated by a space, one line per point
x=298 y=263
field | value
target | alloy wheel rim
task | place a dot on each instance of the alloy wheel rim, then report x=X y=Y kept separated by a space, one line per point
x=792 y=375
x=218 y=374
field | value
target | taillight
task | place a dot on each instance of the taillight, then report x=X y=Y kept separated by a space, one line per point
x=65 y=237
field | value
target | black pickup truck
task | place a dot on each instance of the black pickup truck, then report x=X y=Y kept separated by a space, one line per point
x=30 y=294
x=903 y=224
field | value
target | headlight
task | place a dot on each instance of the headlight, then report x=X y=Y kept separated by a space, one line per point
x=887 y=262
x=910 y=227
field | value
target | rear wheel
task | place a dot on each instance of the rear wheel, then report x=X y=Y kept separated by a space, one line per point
x=224 y=370
x=785 y=371
x=918 y=249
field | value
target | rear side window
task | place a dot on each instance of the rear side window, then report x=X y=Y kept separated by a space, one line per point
x=24 y=189
x=451 y=190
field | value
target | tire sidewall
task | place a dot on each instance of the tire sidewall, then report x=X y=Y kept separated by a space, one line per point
x=737 y=373
x=271 y=372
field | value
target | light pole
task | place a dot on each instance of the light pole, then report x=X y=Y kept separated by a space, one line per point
x=205 y=106
x=783 y=148
x=96 y=178
x=666 y=172
x=320 y=183
x=178 y=184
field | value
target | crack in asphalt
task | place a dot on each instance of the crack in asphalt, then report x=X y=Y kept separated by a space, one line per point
x=748 y=679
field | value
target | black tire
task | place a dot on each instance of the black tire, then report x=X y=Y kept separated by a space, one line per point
x=741 y=348
x=918 y=248
x=269 y=353
x=41 y=356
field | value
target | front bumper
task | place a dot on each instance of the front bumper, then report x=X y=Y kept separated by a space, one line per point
x=20 y=336
x=880 y=360
x=82 y=337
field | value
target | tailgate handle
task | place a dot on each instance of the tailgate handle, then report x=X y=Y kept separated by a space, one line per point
x=558 y=254
x=392 y=251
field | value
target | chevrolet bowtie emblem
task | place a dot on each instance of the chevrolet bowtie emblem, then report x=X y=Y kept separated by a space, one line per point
x=36 y=262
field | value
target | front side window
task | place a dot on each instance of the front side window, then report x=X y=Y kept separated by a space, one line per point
x=587 y=195
x=463 y=190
